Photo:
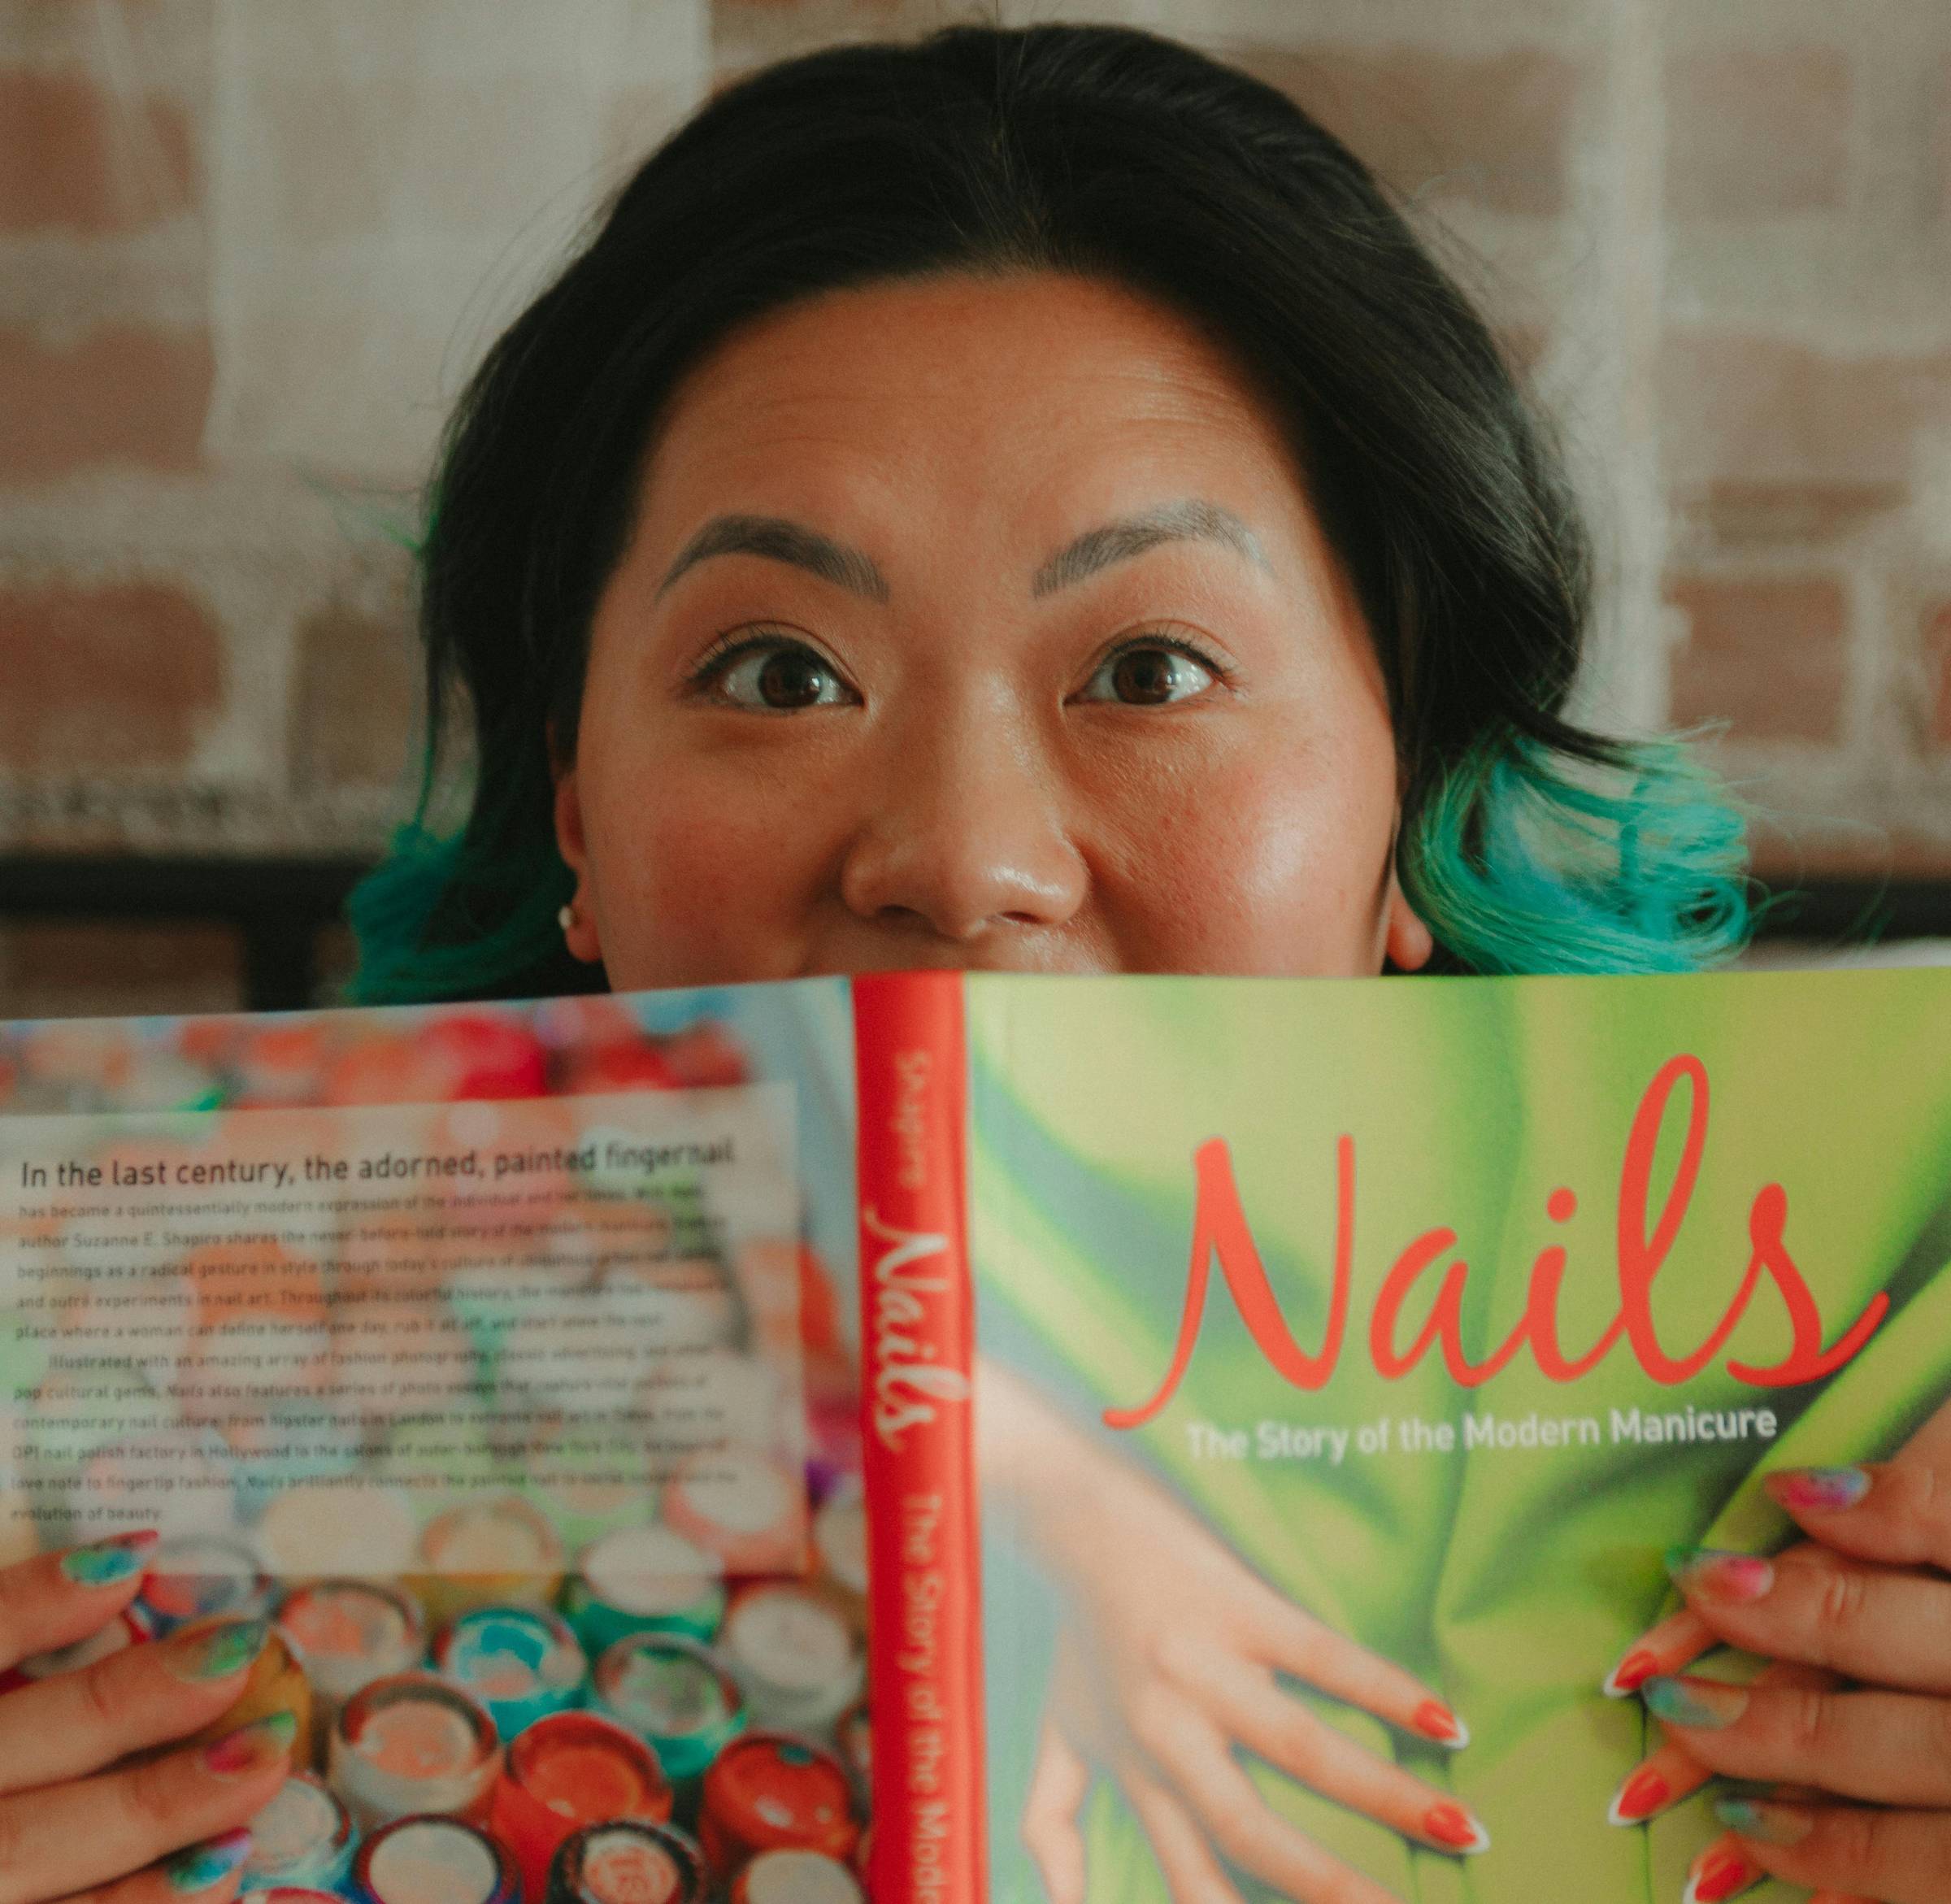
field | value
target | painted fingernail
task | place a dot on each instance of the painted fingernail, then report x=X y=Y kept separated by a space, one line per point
x=1641 y=1795
x=1707 y=1703
x=250 y=1748
x=215 y=1651
x=1720 y=1872
x=103 y=1562
x=1455 y=1829
x=1435 y=1720
x=1771 y=1824
x=1716 y=1574
x=1828 y=1489
x=201 y=1866
x=1631 y=1672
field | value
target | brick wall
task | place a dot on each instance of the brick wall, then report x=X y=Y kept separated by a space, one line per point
x=249 y=248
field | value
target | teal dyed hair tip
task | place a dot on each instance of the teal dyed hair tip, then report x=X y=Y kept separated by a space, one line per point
x=1521 y=861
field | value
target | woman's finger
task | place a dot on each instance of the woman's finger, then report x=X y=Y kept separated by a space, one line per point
x=1233 y=1814
x=1192 y=1874
x=1887 y=1748
x=55 y=1599
x=1293 y=1641
x=1889 y=1625
x=93 y=1831
x=208 y=1873
x=1666 y=1776
x=1676 y=1641
x=1282 y=1731
x=1896 y=1856
x=1059 y=1782
x=76 y=1722
x=1895 y=1511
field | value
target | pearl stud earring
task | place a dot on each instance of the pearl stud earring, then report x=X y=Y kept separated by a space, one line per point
x=566 y=918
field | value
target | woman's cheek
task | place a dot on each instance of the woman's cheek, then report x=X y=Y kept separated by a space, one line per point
x=697 y=891
x=1255 y=873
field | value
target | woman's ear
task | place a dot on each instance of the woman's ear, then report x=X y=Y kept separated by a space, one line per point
x=579 y=923
x=1409 y=944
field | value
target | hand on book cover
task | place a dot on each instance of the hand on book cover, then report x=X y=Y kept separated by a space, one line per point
x=1849 y=1735
x=98 y=1791
x=1170 y=1657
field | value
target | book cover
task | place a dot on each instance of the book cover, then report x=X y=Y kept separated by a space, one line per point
x=1426 y=1316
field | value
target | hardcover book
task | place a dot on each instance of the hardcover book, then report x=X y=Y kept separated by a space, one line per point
x=973 y=1437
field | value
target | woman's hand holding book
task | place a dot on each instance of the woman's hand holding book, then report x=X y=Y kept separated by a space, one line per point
x=98 y=1800
x=1851 y=1727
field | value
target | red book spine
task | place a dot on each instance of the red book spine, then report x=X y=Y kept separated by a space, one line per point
x=918 y=1328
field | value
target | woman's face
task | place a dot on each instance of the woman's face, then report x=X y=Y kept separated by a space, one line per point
x=985 y=623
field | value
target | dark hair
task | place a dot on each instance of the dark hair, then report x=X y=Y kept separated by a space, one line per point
x=1118 y=155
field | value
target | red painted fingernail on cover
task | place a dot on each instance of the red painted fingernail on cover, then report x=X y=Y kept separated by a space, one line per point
x=1719 y=1873
x=1641 y=1795
x=1435 y=1720
x=251 y=1747
x=1452 y=1826
x=1828 y=1489
x=1632 y=1673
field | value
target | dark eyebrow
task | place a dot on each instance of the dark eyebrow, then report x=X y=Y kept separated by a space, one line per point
x=782 y=541
x=1133 y=535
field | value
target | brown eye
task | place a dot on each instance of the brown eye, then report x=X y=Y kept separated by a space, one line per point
x=789 y=680
x=779 y=677
x=1151 y=674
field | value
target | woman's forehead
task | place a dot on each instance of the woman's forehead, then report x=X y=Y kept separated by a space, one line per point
x=1058 y=401
x=980 y=357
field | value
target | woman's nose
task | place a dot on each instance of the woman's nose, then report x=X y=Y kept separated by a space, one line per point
x=963 y=832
